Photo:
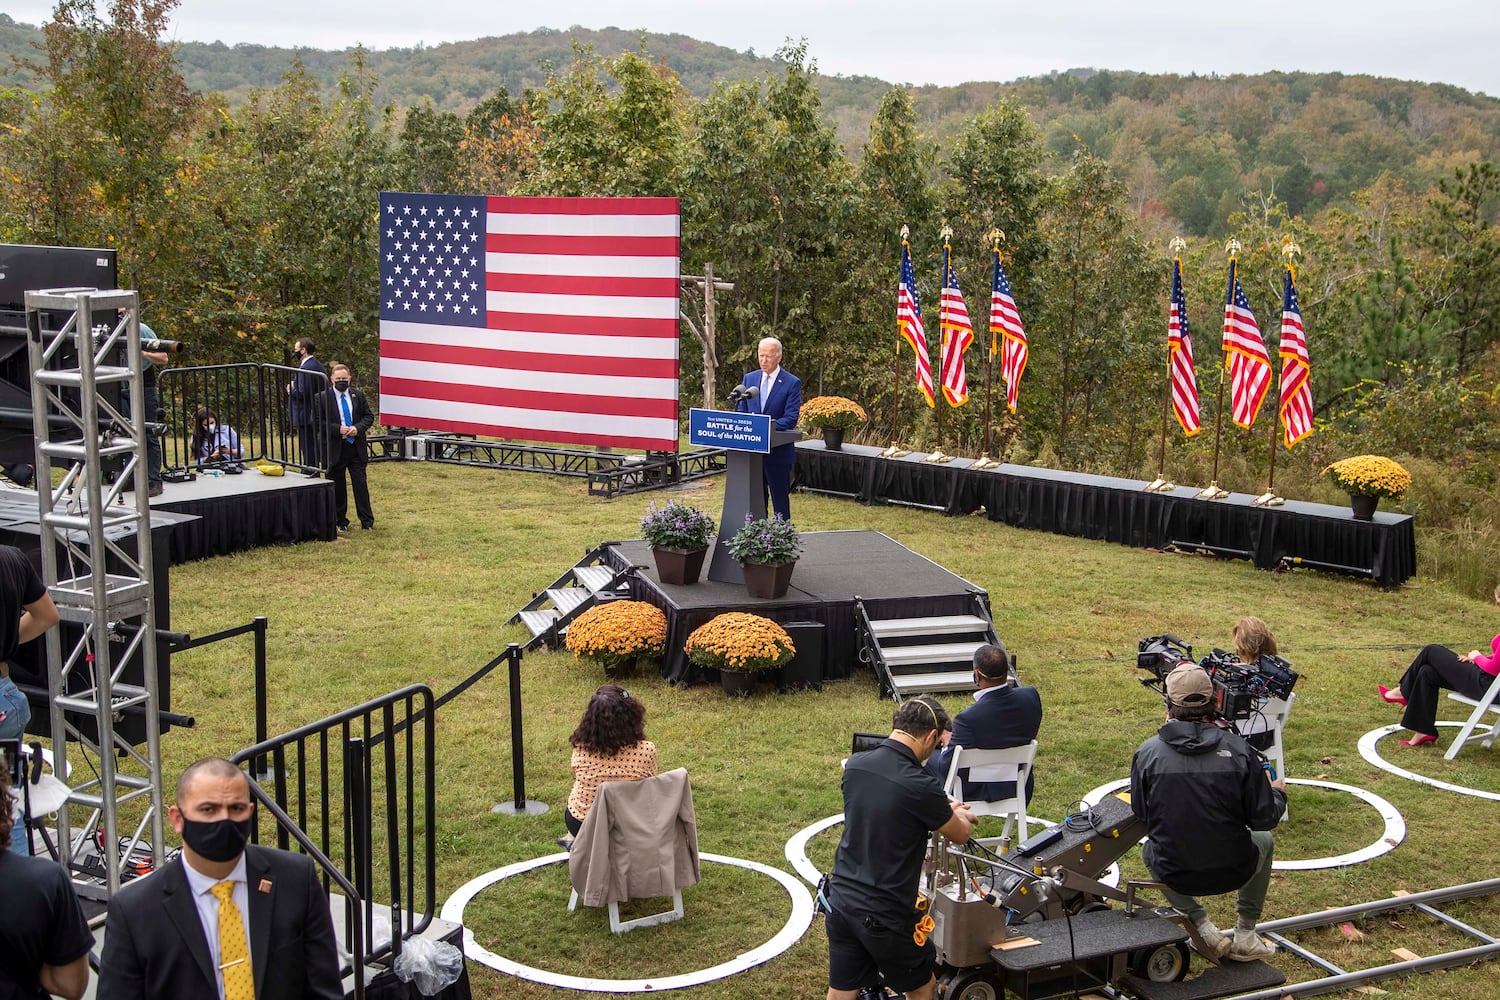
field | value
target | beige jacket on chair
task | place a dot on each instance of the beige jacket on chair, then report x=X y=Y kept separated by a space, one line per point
x=639 y=840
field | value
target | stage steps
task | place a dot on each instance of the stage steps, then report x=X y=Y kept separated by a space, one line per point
x=923 y=655
x=547 y=614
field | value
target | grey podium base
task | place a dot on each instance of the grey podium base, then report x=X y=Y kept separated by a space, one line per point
x=529 y=809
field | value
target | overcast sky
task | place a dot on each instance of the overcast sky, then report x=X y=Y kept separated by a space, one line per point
x=1448 y=41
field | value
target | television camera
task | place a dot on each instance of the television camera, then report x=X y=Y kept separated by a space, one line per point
x=1240 y=689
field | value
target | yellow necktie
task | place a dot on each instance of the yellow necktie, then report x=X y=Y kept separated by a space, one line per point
x=234 y=953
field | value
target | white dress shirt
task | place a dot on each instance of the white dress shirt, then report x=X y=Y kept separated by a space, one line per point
x=208 y=908
x=766 y=382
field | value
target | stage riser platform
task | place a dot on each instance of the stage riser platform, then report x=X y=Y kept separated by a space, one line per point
x=233 y=513
x=1120 y=510
x=835 y=568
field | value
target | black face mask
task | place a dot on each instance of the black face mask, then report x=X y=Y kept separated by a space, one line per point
x=341 y=385
x=220 y=840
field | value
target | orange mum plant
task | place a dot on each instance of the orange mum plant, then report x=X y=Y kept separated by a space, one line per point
x=739 y=641
x=618 y=632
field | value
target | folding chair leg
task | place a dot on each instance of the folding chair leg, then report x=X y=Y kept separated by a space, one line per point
x=619 y=926
x=573 y=901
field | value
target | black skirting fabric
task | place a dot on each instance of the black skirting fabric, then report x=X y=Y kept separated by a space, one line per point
x=1119 y=510
x=236 y=522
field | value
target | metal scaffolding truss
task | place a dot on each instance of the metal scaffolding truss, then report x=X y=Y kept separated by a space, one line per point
x=75 y=337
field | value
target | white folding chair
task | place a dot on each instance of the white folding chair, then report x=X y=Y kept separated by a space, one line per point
x=1010 y=764
x=1276 y=711
x=669 y=824
x=1482 y=706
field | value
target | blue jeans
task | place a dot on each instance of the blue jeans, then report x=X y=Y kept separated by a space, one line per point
x=16 y=712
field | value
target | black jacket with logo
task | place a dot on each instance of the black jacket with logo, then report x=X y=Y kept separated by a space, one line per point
x=1201 y=790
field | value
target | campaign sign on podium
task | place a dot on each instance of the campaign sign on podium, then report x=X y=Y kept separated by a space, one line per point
x=749 y=438
x=736 y=431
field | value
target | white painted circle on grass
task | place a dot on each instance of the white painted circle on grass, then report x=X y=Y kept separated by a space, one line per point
x=1369 y=751
x=1390 y=837
x=790 y=933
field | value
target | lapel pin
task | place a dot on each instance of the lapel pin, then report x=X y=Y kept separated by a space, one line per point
x=265 y=885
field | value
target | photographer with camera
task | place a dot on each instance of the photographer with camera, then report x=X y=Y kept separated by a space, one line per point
x=1209 y=803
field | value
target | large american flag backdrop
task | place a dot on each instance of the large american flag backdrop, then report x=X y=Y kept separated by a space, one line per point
x=540 y=319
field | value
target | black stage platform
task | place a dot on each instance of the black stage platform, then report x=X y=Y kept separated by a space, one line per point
x=835 y=567
x=246 y=511
x=1119 y=510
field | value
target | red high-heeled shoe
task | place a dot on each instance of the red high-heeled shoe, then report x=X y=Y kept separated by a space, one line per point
x=1392 y=695
x=1419 y=740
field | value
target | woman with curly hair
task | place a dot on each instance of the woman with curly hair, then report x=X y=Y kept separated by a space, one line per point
x=609 y=745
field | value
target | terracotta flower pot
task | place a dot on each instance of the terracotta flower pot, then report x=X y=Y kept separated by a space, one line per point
x=679 y=566
x=767 y=581
x=833 y=438
x=1363 y=506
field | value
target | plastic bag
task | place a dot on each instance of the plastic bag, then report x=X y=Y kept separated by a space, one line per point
x=432 y=965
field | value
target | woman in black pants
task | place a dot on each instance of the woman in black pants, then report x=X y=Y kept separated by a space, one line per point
x=1434 y=669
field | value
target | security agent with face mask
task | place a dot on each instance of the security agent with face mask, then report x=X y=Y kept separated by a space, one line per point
x=891 y=807
x=346 y=418
x=226 y=919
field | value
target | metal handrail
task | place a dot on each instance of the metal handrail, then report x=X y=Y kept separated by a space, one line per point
x=357 y=738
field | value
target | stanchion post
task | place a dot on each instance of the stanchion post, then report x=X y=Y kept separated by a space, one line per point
x=258 y=765
x=519 y=805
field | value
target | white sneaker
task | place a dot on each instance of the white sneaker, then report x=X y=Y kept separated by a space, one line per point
x=1211 y=943
x=1250 y=947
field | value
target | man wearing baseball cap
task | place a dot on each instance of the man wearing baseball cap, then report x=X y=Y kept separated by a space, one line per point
x=1209 y=803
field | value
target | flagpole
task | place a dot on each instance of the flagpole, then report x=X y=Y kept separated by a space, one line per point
x=895 y=450
x=1289 y=250
x=896 y=375
x=1212 y=492
x=1161 y=484
x=947 y=234
x=994 y=237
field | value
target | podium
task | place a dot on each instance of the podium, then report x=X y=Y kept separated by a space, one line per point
x=749 y=438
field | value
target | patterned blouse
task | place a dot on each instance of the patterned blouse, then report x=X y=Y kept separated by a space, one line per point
x=593 y=769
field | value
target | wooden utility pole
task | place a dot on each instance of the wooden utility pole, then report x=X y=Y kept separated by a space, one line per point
x=705 y=335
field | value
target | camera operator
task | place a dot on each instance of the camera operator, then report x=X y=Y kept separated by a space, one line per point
x=891 y=806
x=44 y=938
x=1209 y=804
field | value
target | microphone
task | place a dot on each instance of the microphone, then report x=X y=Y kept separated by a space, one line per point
x=742 y=392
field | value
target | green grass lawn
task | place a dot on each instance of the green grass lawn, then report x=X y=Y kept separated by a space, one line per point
x=458 y=550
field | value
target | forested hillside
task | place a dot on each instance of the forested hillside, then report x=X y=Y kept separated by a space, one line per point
x=1186 y=147
x=246 y=221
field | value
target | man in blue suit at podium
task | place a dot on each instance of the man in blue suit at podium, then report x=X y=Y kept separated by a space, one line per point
x=778 y=394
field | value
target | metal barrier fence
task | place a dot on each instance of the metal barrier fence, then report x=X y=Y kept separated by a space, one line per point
x=347 y=788
x=253 y=403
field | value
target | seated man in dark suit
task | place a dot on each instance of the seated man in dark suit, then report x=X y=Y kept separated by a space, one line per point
x=227 y=919
x=1003 y=715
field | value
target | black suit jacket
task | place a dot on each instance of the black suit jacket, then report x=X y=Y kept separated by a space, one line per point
x=364 y=419
x=154 y=948
x=1006 y=717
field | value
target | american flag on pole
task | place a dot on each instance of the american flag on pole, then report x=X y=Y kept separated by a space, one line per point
x=1296 y=370
x=909 y=320
x=958 y=334
x=1180 y=358
x=1249 y=364
x=1005 y=320
x=541 y=319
